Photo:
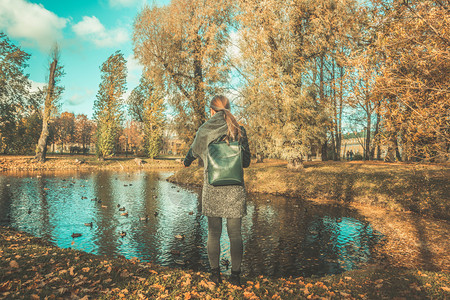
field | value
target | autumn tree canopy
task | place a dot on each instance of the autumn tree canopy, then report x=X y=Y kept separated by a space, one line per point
x=183 y=49
x=146 y=105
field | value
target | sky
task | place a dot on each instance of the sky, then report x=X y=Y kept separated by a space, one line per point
x=87 y=32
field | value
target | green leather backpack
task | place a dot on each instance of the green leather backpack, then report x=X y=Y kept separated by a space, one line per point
x=225 y=163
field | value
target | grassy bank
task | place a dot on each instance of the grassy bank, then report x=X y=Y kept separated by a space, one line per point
x=83 y=162
x=421 y=188
x=31 y=268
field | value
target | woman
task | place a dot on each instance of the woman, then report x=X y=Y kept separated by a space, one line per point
x=222 y=201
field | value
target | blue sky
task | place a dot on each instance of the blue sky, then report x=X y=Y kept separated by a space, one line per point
x=88 y=32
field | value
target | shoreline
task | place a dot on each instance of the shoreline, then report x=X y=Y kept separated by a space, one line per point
x=418 y=188
x=16 y=163
x=33 y=268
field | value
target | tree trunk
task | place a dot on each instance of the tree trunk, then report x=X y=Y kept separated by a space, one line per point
x=41 y=149
x=376 y=136
x=259 y=158
x=367 y=140
x=199 y=103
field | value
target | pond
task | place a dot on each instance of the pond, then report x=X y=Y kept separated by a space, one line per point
x=140 y=214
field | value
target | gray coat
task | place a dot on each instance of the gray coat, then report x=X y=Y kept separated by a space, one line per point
x=219 y=201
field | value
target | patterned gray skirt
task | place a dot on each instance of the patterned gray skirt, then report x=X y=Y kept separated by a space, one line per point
x=223 y=201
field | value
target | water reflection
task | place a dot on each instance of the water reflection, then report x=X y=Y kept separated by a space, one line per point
x=282 y=236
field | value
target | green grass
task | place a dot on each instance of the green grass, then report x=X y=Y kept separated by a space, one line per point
x=31 y=268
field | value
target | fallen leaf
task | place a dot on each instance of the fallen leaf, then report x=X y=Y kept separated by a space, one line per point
x=86 y=269
x=71 y=271
x=124 y=273
x=446 y=289
x=13 y=264
x=35 y=297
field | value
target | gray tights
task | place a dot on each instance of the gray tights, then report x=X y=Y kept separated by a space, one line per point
x=213 y=245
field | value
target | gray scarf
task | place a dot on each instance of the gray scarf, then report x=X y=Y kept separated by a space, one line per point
x=208 y=132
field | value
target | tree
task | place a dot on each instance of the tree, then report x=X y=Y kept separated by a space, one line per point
x=183 y=48
x=64 y=129
x=108 y=105
x=84 y=129
x=279 y=97
x=14 y=91
x=53 y=92
x=413 y=45
x=146 y=104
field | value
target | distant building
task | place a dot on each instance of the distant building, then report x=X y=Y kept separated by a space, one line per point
x=172 y=145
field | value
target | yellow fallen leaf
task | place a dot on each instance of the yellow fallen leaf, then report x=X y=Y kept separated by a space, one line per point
x=13 y=264
x=446 y=289
x=86 y=269
x=35 y=297
x=71 y=271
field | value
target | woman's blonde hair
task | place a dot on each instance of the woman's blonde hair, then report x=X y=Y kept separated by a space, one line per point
x=221 y=103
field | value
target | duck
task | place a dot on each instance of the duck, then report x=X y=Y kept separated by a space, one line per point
x=144 y=218
x=29 y=211
x=180 y=236
x=156 y=213
x=180 y=262
x=94 y=199
x=88 y=224
x=175 y=252
x=83 y=197
x=123 y=233
x=118 y=205
x=124 y=214
x=75 y=235
x=99 y=201
x=191 y=213
x=122 y=209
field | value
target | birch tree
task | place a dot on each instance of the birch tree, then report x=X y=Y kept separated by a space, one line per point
x=53 y=92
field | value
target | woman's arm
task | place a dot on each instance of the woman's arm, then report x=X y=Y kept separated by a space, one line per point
x=245 y=149
x=189 y=158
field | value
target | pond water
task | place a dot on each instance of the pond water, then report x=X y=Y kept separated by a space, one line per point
x=282 y=236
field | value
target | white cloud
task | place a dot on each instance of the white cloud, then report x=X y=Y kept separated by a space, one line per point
x=91 y=29
x=80 y=97
x=36 y=86
x=134 y=69
x=32 y=23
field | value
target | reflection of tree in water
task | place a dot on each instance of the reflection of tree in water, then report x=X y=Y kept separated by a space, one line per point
x=106 y=230
x=174 y=219
x=339 y=243
x=282 y=236
x=6 y=200
x=302 y=239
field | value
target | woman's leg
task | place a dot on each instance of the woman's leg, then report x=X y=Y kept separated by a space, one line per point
x=213 y=244
x=236 y=245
